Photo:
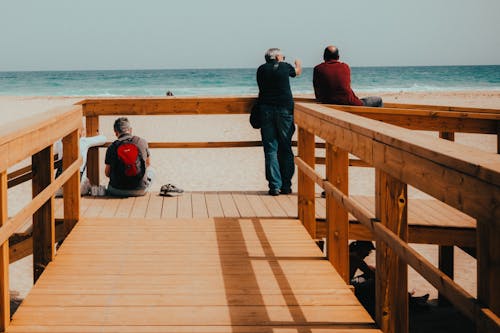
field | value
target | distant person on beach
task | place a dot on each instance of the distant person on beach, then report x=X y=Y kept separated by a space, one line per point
x=332 y=82
x=128 y=162
x=276 y=113
x=169 y=93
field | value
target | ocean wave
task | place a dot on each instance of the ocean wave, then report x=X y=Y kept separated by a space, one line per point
x=219 y=82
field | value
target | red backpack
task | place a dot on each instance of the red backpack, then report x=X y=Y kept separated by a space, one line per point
x=131 y=166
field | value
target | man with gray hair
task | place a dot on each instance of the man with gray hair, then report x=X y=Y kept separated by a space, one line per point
x=276 y=118
x=127 y=162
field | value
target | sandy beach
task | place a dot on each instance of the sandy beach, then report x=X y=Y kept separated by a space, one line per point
x=239 y=169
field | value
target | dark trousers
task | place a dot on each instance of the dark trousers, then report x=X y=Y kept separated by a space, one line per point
x=374 y=101
x=276 y=131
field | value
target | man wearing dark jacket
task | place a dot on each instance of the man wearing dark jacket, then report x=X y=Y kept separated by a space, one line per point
x=276 y=113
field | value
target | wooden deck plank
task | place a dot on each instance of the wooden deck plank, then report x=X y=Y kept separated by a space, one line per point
x=184 y=206
x=125 y=207
x=213 y=205
x=95 y=207
x=243 y=205
x=258 y=205
x=242 y=275
x=169 y=208
x=192 y=315
x=155 y=206
x=140 y=206
x=288 y=203
x=110 y=207
x=200 y=209
x=192 y=329
x=273 y=206
x=228 y=206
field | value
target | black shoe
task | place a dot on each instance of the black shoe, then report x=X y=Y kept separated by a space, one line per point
x=323 y=194
x=274 y=192
x=285 y=191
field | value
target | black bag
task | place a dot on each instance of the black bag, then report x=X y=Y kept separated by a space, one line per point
x=255 y=115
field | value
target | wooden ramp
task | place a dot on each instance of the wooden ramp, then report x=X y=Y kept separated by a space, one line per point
x=190 y=275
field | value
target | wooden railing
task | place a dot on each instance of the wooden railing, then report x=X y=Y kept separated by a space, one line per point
x=34 y=138
x=462 y=177
x=445 y=119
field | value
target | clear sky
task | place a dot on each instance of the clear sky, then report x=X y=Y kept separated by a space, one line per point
x=163 y=34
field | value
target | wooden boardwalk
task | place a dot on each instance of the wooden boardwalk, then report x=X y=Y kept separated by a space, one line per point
x=136 y=274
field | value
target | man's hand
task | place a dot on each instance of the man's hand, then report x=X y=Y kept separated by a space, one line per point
x=298 y=66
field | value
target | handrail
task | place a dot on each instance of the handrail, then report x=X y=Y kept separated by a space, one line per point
x=462 y=177
x=34 y=138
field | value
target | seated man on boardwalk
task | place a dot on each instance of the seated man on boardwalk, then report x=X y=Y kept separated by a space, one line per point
x=332 y=82
x=127 y=162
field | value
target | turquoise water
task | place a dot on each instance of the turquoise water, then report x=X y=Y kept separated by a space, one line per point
x=191 y=82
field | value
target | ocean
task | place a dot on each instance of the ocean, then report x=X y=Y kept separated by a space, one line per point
x=204 y=82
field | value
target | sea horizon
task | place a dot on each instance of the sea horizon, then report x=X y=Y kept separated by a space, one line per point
x=238 y=81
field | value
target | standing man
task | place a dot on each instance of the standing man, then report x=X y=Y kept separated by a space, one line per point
x=127 y=162
x=276 y=111
x=332 y=82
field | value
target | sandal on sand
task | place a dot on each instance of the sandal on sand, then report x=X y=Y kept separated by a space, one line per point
x=170 y=190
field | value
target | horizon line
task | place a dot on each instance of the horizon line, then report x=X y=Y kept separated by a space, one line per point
x=216 y=68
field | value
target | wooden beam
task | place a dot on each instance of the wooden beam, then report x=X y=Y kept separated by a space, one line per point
x=337 y=173
x=417 y=234
x=21 y=248
x=392 y=271
x=43 y=218
x=306 y=197
x=440 y=108
x=71 y=189
x=165 y=106
x=4 y=258
x=488 y=270
x=446 y=265
x=22 y=140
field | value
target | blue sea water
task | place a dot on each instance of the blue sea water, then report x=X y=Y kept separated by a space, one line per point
x=192 y=82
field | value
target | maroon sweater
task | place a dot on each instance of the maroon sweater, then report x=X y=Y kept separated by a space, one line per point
x=332 y=84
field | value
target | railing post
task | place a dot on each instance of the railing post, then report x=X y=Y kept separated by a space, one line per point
x=306 y=196
x=337 y=173
x=92 y=125
x=392 y=272
x=43 y=218
x=72 y=187
x=446 y=253
x=4 y=258
x=488 y=269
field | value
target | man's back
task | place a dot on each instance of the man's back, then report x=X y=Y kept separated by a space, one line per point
x=332 y=84
x=116 y=178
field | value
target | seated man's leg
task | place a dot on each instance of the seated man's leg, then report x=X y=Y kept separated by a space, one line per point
x=150 y=174
x=116 y=192
x=373 y=101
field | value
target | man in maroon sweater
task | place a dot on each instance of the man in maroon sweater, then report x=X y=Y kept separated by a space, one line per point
x=332 y=82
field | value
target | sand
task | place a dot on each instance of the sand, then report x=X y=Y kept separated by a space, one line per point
x=241 y=168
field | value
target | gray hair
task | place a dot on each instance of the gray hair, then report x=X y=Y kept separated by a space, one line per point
x=271 y=54
x=122 y=125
